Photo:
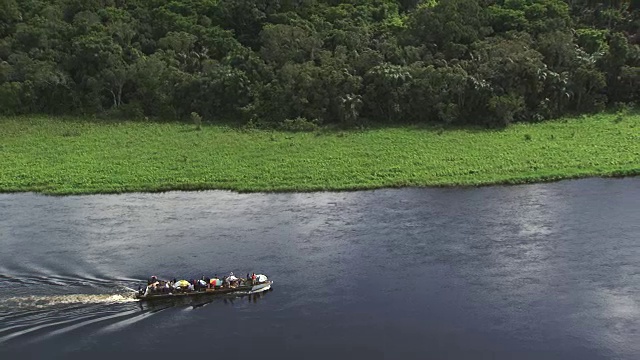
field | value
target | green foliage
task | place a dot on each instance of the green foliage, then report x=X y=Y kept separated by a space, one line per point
x=384 y=91
x=466 y=62
x=65 y=156
x=449 y=25
x=308 y=91
x=592 y=40
x=506 y=107
x=13 y=97
x=504 y=19
x=587 y=85
x=299 y=124
x=285 y=43
x=197 y=120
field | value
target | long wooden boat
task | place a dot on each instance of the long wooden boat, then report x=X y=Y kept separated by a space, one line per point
x=241 y=289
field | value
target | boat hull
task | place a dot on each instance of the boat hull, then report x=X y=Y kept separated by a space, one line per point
x=254 y=289
x=261 y=287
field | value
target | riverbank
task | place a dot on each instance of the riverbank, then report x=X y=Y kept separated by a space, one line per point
x=71 y=156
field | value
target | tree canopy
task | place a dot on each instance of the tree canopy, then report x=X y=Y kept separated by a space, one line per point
x=462 y=62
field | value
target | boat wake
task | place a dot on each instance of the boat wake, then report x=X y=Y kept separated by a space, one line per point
x=45 y=301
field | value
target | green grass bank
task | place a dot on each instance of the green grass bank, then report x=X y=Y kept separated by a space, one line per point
x=71 y=156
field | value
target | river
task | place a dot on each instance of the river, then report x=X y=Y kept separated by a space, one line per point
x=544 y=271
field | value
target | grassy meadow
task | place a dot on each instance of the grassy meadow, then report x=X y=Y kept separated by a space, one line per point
x=74 y=156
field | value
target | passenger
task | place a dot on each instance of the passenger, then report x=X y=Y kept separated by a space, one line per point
x=207 y=281
x=181 y=286
x=253 y=279
x=202 y=284
x=232 y=279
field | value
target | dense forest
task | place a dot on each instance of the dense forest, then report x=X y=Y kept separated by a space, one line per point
x=303 y=62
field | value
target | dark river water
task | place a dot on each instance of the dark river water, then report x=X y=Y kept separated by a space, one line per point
x=547 y=271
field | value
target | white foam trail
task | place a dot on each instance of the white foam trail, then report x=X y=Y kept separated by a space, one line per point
x=54 y=300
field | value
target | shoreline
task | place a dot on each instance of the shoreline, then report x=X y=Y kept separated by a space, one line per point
x=55 y=156
x=510 y=182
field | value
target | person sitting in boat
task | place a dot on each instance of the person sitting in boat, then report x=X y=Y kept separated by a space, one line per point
x=207 y=281
x=232 y=280
x=215 y=282
x=181 y=286
x=201 y=285
x=152 y=287
x=152 y=280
